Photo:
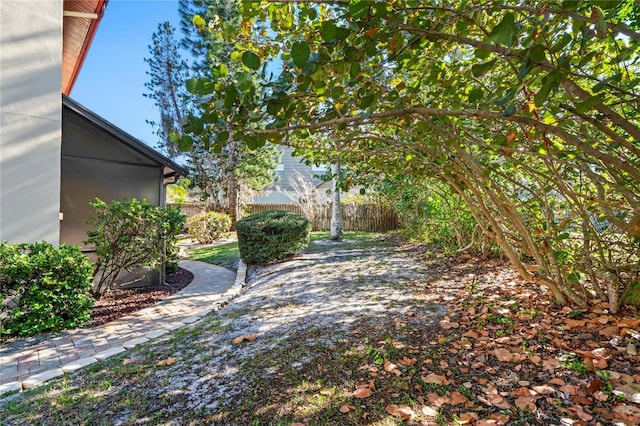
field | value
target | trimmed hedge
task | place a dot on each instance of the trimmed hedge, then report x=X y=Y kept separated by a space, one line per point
x=208 y=227
x=44 y=288
x=272 y=235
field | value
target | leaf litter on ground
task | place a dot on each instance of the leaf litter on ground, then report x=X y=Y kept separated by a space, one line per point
x=383 y=332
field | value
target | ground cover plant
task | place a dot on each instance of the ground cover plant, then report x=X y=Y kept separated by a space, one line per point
x=369 y=331
x=43 y=288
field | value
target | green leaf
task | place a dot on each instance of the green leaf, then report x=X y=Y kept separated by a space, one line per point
x=587 y=104
x=174 y=138
x=480 y=69
x=251 y=60
x=191 y=84
x=231 y=94
x=204 y=87
x=219 y=71
x=537 y=53
x=586 y=58
x=359 y=9
x=222 y=136
x=328 y=31
x=505 y=32
x=354 y=70
x=524 y=70
x=185 y=143
x=563 y=236
x=574 y=277
x=198 y=21
x=300 y=52
x=366 y=101
x=481 y=53
x=543 y=93
x=561 y=43
x=475 y=94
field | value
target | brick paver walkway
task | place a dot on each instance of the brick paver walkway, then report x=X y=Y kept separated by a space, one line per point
x=24 y=365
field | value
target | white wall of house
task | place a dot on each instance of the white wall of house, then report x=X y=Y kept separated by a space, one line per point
x=30 y=120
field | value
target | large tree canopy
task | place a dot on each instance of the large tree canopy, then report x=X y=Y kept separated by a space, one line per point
x=528 y=110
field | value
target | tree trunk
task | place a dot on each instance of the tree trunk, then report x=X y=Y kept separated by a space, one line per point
x=336 y=208
x=232 y=183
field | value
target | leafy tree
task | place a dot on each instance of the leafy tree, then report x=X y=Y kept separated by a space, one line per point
x=528 y=112
x=228 y=176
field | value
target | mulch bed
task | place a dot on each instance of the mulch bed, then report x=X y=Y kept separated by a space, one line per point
x=118 y=303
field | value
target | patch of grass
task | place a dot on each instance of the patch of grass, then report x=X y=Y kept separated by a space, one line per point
x=225 y=255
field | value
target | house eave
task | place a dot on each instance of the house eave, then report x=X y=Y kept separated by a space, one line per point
x=171 y=170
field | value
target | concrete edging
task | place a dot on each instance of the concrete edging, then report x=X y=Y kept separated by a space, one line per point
x=44 y=376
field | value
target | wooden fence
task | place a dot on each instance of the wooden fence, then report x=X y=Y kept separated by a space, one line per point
x=189 y=209
x=356 y=217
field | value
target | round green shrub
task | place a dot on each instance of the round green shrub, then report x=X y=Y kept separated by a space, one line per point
x=272 y=235
x=208 y=227
x=44 y=288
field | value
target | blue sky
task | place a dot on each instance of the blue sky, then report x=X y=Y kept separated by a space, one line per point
x=111 y=81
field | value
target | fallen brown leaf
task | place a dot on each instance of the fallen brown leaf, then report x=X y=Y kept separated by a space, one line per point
x=543 y=389
x=247 y=338
x=495 y=401
x=435 y=379
x=526 y=402
x=503 y=355
x=457 y=398
x=390 y=367
x=468 y=418
x=402 y=411
x=362 y=393
x=167 y=362
x=438 y=400
x=345 y=408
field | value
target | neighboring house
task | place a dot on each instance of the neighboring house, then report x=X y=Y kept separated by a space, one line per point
x=56 y=155
x=283 y=192
x=289 y=170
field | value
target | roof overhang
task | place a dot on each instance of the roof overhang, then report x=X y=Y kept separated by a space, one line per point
x=171 y=170
x=80 y=23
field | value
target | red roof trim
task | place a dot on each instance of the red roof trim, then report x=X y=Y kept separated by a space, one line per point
x=93 y=27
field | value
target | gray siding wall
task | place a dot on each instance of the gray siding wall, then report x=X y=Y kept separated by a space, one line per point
x=94 y=164
x=30 y=120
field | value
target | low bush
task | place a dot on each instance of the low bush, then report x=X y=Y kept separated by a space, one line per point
x=208 y=227
x=131 y=233
x=272 y=235
x=44 y=288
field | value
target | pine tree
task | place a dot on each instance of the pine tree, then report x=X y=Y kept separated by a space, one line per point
x=234 y=175
x=167 y=75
